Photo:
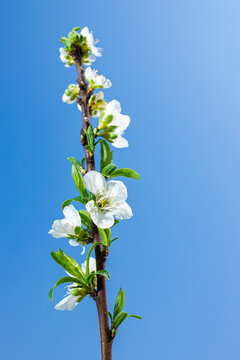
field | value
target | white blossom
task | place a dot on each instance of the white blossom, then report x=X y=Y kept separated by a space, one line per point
x=121 y=121
x=66 y=226
x=67 y=59
x=95 y=80
x=91 y=42
x=66 y=99
x=71 y=94
x=70 y=301
x=109 y=200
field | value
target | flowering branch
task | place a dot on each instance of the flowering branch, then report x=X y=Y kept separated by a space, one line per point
x=103 y=200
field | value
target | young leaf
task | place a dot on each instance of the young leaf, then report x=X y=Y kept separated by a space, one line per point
x=107 y=170
x=88 y=256
x=106 y=155
x=108 y=234
x=63 y=280
x=83 y=162
x=104 y=273
x=77 y=177
x=103 y=236
x=129 y=173
x=66 y=203
x=90 y=138
x=119 y=319
x=69 y=264
x=110 y=315
x=78 y=198
x=135 y=316
x=86 y=219
x=119 y=303
x=116 y=221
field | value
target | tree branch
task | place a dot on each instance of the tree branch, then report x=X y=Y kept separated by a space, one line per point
x=101 y=295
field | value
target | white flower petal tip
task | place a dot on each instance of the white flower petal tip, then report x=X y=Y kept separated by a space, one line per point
x=66 y=226
x=109 y=200
x=68 y=303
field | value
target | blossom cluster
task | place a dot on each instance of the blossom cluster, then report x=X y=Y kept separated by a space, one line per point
x=112 y=123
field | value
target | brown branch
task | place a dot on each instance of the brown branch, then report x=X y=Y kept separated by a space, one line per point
x=101 y=295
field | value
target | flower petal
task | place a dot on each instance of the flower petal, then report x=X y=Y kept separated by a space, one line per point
x=92 y=265
x=68 y=303
x=94 y=182
x=74 y=242
x=122 y=121
x=120 y=142
x=123 y=211
x=116 y=190
x=113 y=106
x=72 y=215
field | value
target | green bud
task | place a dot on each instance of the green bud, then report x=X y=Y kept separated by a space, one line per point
x=79 y=232
x=112 y=136
x=76 y=292
x=108 y=119
x=76 y=28
x=65 y=41
x=112 y=128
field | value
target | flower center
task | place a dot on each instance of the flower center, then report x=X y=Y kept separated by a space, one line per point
x=103 y=201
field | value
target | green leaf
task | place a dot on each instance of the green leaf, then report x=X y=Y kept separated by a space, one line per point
x=119 y=319
x=107 y=170
x=114 y=239
x=103 y=236
x=135 y=316
x=90 y=137
x=63 y=280
x=108 y=234
x=106 y=155
x=83 y=162
x=119 y=303
x=86 y=219
x=65 y=41
x=129 y=173
x=88 y=256
x=69 y=264
x=77 y=177
x=80 y=199
x=110 y=315
x=104 y=273
x=116 y=221
x=66 y=203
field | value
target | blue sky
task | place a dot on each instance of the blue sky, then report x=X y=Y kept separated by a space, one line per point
x=174 y=66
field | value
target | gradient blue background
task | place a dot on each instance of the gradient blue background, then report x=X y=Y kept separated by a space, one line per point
x=174 y=66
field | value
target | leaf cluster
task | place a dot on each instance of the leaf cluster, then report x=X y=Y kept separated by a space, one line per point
x=85 y=282
x=118 y=315
x=108 y=169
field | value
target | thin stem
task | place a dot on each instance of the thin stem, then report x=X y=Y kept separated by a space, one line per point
x=101 y=295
